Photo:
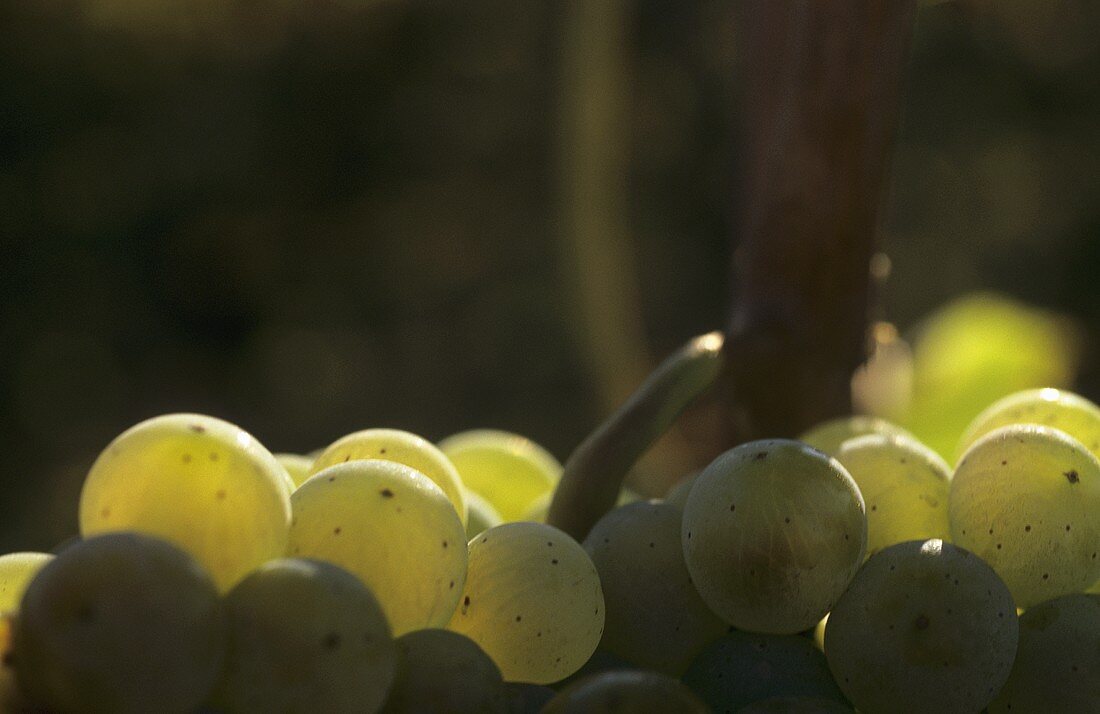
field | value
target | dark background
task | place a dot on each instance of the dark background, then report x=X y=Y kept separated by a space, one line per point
x=309 y=218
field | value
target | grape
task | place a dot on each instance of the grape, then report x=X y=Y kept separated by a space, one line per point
x=446 y=673
x=297 y=467
x=904 y=486
x=797 y=705
x=678 y=494
x=121 y=622
x=305 y=635
x=391 y=526
x=482 y=515
x=1054 y=408
x=655 y=617
x=540 y=507
x=742 y=668
x=625 y=692
x=1025 y=498
x=1057 y=666
x=403 y=448
x=16 y=571
x=829 y=435
x=508 y=470
x=924 y=627
x=773 y=532
x=532 y=601
x=199 y=482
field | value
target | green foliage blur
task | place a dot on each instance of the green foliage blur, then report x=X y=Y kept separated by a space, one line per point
x=310 y=218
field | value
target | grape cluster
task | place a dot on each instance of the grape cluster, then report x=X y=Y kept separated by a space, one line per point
x=853 y=569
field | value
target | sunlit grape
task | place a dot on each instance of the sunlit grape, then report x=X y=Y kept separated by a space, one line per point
x=532 y=601
x=482 y=515
x=16 y=571
x=828 y=436
x=401 y=447
x=1025 y=499
x=446 y=673
x=391 y=526
x=623 y=692
x=1054 y=408
x=297 y=467
x=773 y=531
x=199 y=482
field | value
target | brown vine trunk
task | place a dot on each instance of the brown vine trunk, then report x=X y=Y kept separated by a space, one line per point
x=821 y=102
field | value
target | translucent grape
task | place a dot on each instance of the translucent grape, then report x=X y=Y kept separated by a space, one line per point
x=532 y=601
x=742 y=668
x=904 y=486
x=540 y=507
x=199 y=482
x=655 y=617
x=16 y=571
x=508 y=470
x=391 y=526
x=626 y=691
x=297 y=467
x=924 y=627
x=773 y=532
x=305 y=635
x=446 y=673
x=121 y=622
x=482 y=515
x=828 y=436
x=401 y=447
x=1025 y=499
x=1057 y=667
x=1054 y=408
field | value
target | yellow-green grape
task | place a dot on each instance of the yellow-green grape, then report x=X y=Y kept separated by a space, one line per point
x=1055 y=408
x=297 y=467
x=829 y=435
x=532 y=601
x=541 y=505
x=678 y=494
x=819 y=632
x=625 y=692
x=797 y=705
x=305 y=635
x=773 y=532
x=394 y=528
x=121 y=622
x=1057 y=667
x=904 y=486
x=1025 y=498
x=482 y=515
x=508 y=470
x=16 y=571
x=199 y=482
x=444 y=672
x=924 y=627
x=401 y=447
x=742 y=668
x=655 y=617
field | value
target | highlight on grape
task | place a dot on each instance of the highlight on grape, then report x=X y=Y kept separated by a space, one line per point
x=852 y=570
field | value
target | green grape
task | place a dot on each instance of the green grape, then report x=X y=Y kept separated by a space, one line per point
x=678 y=494
x=742 y=668
x=773 y=532
x=394 y=528
x=482 y=515
x=446 y=673
x=1025 y=499
x=16 y=571
x=508 y=470
x=1057 y=667
x=924 y=627
x=532 y=601
x=199 y=482
x=625 y=692
x=904 y=486
x=541 y=505
x=797 y=705
x=297 y=467
x=401 y=447
x=655 y=617
x=121 y=622
x=829 y=435
x=1054 y=408
x=305 y=635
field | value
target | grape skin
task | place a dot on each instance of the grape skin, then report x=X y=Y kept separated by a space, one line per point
x=1054 y=408
x=1025 y=499
x=297 y=467
x=445 y=673
x=829 y=435
x=482 y=515
x=393 y=528
x=16 y=572
x=532 y=601
x=773 y=531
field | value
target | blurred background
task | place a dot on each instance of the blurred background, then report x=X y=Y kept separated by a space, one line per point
x=310 y=218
